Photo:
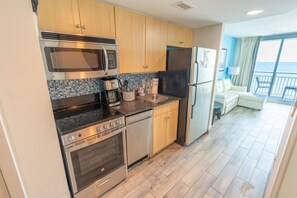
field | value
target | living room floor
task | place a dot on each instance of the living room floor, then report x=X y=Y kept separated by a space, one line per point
x=234 y=160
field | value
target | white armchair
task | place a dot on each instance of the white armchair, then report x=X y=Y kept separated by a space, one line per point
x=231 y=96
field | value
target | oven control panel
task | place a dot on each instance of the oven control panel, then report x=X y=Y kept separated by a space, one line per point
x=101 y=129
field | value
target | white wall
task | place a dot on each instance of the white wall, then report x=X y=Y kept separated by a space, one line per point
x=27 y=124
x=210 y=37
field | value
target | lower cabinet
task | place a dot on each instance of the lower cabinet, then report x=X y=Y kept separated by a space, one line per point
x=165 y=125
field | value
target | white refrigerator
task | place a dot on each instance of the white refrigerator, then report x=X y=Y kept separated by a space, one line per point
x=189 y=76
x=200 y=92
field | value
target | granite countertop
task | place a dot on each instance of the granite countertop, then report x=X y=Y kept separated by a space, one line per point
x=139 y=105
x=133 y=107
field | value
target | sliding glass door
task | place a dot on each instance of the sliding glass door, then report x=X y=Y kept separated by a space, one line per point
x=285 y=81
x=275 y=72
x=265 y=66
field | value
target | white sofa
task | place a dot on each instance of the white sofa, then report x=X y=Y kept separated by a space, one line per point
x=231 y=96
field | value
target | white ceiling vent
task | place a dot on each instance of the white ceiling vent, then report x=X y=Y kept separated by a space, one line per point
x=182 y=5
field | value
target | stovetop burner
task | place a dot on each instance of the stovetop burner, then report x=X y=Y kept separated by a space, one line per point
x=72 y=116
x=70 y=120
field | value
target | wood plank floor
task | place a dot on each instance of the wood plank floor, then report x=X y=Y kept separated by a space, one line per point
x=233 y=161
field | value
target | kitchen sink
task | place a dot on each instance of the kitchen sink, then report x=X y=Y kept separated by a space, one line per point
x=159 y=98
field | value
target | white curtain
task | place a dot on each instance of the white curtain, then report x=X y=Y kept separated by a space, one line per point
x=245 y=53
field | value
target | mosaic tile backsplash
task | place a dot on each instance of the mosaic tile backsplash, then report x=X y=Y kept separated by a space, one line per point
x=59 y=89
x=136 y=79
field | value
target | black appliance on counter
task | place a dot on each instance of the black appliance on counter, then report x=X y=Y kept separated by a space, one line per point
x=93 y=143
x=111 y=94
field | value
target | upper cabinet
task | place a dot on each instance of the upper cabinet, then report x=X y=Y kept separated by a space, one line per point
x=156 y=43
x=130 y=33
x=186 y=37
x=179 y=36
x=97 y=18
x=59 y=16
x=91 y=17
x=173 y=35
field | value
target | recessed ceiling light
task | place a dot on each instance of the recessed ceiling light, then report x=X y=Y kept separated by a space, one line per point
x=254 y=12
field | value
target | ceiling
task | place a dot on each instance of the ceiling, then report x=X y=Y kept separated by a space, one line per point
x=208 y=12
x=279 y=24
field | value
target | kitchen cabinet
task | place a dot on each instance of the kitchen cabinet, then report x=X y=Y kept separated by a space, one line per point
x=156 y=43
x=59 y=16
x=179 y=36
x=186 y=37
x=172 y=120
x=97 y=18
x=92 y=18
x=165 y=121
x=130 y=33
x=159 y=133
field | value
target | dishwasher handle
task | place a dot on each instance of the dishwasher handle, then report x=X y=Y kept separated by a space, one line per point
x=138 y=117
x=136 y=121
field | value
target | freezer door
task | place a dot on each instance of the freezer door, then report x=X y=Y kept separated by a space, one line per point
x=205 y=61
x=198 y=111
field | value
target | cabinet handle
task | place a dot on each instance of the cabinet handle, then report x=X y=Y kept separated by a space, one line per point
x=83 y=27
x=181 y=42
x=77 y=25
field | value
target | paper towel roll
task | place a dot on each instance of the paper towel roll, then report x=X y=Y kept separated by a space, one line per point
x=155 y=84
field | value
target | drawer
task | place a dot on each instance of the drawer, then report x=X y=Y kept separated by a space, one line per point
x=166 y=108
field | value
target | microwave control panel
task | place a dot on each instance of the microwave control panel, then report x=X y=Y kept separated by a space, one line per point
x=112 y=59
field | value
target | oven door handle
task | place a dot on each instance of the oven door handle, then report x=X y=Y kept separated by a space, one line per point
x=106 y=61
x=85 y=143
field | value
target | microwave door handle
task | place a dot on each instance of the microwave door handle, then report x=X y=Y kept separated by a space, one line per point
x=106 y=61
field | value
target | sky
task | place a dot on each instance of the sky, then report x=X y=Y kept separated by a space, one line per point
x=268 y=51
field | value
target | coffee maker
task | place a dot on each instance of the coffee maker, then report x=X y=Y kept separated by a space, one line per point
x=111 y=94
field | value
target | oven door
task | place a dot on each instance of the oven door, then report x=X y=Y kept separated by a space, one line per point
x=91 y=159
x=76 y=60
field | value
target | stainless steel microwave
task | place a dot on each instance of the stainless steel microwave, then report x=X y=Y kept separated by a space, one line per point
x=75 y=56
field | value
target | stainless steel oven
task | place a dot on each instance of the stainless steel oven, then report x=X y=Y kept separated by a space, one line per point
x=75 y=56
x=98 y=162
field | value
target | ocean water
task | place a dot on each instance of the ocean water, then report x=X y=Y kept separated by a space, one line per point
x=283 y=67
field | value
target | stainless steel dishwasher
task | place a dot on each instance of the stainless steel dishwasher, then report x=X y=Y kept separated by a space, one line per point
x=139 y=136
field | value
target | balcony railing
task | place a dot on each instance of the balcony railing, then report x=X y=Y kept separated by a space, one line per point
x=281 y=81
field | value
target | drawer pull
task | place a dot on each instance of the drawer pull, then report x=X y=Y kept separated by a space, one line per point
x=99 y=185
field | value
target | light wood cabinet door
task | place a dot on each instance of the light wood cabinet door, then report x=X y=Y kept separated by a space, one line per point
x=173 y=35
x=59 y=16
x=171 y=126
x=159 y=133
x=186 y=37
x=130 y=33
x=156 y=42
x=97 y=18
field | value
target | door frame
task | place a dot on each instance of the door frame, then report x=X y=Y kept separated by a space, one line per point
x=3 y=186
x=283 y=157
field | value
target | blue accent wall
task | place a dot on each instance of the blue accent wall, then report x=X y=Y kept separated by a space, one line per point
x=229 y=43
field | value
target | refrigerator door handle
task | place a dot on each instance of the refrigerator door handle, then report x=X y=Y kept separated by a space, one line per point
x=195 y=97
x=194 y=85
